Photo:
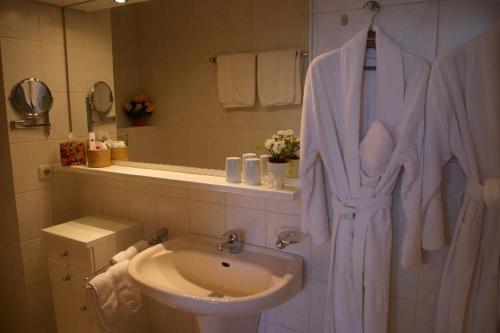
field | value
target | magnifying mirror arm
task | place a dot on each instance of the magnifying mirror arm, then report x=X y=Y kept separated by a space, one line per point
x=33 y=122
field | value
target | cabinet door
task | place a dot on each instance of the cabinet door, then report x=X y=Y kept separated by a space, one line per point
x=63 y=306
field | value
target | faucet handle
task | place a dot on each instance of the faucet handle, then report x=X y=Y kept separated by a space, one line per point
x=233 y=235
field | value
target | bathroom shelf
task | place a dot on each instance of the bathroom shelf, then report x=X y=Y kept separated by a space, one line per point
x=190 y=180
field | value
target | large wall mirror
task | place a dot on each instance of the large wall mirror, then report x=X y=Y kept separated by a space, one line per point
x=159 y=51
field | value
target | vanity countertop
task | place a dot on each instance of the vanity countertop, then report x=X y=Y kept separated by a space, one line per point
x=190 y=180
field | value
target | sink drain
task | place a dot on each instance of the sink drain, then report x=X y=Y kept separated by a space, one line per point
x=225 y=264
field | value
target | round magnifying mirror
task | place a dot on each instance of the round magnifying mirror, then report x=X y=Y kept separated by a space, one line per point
x=101 y=97
x=32 y=98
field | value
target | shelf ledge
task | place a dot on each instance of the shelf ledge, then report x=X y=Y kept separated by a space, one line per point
x=184 y=179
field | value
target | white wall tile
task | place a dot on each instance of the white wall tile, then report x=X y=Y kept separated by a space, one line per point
x=293 y=313
x=252 y=222
x=114 y=202
x=142 y=208
x=208 y=196
x=34 y=212
x=460 y=20
x=65 y=203
x=320 y=261
x=54 y=67
x=283 y=206
x=173 y=213
x=35 y=261
x=206 y=218
x=26 y=157
x=41 y=307
x=317 y=300
x=18 y=19
x=245 y=201
x=50 y=20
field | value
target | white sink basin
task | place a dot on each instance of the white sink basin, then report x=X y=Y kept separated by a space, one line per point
x=189 y=274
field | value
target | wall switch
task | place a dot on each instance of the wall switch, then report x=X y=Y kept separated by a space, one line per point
x=45 y=172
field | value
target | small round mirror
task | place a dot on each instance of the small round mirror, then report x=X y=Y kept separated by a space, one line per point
x=32 y=98
x=101 y=97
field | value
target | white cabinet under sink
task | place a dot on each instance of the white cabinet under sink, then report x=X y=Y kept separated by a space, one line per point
x=76 y=249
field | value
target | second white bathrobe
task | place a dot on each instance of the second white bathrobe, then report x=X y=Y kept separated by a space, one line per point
x=341 y=102
x=463 y=122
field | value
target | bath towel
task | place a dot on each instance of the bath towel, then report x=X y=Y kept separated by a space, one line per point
x=278 y=77
x=236 y=80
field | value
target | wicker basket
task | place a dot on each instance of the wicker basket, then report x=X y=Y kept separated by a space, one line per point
x=99 y=158
x=119 y=154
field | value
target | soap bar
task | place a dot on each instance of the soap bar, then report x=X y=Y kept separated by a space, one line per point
x=72 y=153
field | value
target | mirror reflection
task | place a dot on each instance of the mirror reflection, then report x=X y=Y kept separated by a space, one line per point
x=101 y=97
x=156 y=56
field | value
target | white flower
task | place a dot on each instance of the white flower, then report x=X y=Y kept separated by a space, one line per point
x=268 y=144
x=288 y=132
x=281 y=133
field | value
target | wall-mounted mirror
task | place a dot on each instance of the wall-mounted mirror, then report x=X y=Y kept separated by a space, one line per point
x=32 y=98
x=158 y=52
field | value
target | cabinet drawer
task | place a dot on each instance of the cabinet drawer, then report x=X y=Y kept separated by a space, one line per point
x=59 y=274
x=69 y=253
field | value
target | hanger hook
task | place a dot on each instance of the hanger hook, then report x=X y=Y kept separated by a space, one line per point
x=374 y=6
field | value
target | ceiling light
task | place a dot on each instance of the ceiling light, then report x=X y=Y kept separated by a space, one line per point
x=120 y=1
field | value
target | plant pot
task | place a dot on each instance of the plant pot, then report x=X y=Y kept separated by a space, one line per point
x=138 y=121
x=293 y=168
x=278 y=171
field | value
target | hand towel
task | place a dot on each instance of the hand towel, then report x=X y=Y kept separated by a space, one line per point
x=112 y=296
x=375 y=151
x=130 y=252
x=102 y=301
x=279 y=79
x=236 y=80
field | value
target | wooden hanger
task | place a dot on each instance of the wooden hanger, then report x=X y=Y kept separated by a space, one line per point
x=372 y=35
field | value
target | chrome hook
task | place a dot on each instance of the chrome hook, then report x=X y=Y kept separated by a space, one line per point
x=374 y=6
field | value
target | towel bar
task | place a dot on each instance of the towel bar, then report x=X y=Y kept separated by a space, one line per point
x=157 y=238
x=213 y=60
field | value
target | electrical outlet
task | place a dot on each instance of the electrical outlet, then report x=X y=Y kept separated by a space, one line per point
x=45 y=172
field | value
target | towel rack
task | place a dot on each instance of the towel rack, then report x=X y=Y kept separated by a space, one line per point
x=157 y=238
x=213 y=60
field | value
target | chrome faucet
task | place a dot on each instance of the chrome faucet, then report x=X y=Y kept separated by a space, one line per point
x=233 y=242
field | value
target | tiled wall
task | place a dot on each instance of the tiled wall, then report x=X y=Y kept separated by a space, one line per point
x=176 y=39
x=31 y=45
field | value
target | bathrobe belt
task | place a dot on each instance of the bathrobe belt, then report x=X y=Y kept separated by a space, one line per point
x=347 y=209
x=489 y=193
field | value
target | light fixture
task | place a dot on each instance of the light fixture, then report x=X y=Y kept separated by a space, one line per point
x=120 y=1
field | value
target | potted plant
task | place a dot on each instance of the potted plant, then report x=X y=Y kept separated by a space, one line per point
x=278 y=164
x=138 y=110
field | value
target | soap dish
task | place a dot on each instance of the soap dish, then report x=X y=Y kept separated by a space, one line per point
x=287 y=236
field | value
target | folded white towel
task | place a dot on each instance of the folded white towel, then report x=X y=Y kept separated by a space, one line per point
x=130 y=252
x=279 y=77
x=236 y=80
x=376 y=150
x=112 y=296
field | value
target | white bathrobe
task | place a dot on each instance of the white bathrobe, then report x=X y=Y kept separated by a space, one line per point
x=463 y=122
x=341 y=101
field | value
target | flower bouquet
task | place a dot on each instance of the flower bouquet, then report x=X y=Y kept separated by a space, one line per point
x=138 y=110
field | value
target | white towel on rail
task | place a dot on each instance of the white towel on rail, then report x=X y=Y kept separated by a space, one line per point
x=130 y=252
x=279 y=77
x=112 y=296
x=236 y=80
